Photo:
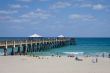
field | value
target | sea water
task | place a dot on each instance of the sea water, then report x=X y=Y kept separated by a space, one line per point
x=83 y=46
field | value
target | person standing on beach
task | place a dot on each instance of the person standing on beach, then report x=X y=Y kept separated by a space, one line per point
x=96 y=60
x=109 y=55
x=103 y=55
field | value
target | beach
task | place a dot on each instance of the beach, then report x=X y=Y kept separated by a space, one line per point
x=49 y=64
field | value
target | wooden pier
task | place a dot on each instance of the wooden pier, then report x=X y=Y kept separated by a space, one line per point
x=34 y=44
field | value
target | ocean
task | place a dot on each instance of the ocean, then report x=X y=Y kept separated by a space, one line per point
x=83 y=46
x=86 y=46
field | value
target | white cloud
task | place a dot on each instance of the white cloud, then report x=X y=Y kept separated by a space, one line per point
x=25 y=0
x=18 y=20
x=65 y=4
x=60 y=5
x=15 y=6
x=32 y=17
x=81 y=17
x=85 y=5
x=4 y=17
x=99 y=7
x=8 y=11
x=43 y=0
x=32 y=0
x=93 y=6
x=75 y=16
x=39 y=13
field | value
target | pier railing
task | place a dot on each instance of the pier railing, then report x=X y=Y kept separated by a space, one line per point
x=34 y=44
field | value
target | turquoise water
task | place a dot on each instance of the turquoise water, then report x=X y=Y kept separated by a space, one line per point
x=88 y=45
x=83 y=46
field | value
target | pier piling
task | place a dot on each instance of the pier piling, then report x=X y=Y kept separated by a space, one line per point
x=29 y=45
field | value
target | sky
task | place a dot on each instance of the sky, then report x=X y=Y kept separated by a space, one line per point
x=51 y=18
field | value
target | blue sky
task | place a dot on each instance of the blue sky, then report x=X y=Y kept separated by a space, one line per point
x=76 y=18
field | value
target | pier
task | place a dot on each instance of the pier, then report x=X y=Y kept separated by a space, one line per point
x=31 y=44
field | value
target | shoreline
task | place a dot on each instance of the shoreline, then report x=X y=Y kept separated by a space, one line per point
x=102 y=54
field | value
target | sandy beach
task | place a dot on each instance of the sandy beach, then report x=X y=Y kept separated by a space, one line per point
x=27 y=64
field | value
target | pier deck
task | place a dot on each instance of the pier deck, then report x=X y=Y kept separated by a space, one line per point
x=34 y=44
